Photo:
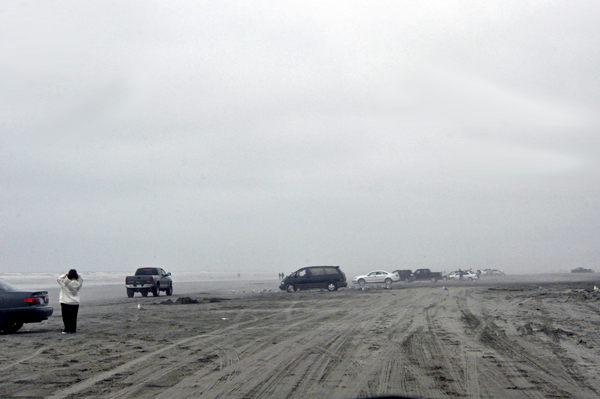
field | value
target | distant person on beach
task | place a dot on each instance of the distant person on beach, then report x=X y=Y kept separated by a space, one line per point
x=70 y=284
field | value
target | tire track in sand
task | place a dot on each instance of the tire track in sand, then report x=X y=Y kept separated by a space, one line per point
x=517 y=364
x=304 y=358
x=155 y=370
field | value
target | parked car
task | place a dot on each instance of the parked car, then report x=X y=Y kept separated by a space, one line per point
x=405 y=275
x=376 y=277
x=149 y=279
x=582 y=270
x=467 y=275
x=427 y=274
x=18 y=306
x=493 y=272
x=328 y=277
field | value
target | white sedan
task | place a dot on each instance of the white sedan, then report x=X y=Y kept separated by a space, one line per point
x=466 y=275
x=376 y=277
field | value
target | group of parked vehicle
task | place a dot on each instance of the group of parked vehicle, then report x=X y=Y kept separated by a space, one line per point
x=332 y=277
x=384 y=277
x=22 y=306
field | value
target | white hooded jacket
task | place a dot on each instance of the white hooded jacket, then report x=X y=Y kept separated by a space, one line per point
x=69 y=292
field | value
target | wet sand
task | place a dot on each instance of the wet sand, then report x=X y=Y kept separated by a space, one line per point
x=498 y=338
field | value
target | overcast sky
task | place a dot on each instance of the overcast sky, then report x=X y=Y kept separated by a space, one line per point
x=265 y=136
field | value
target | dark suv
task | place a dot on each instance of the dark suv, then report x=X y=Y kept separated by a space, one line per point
x=330 y=277
x=405 y=275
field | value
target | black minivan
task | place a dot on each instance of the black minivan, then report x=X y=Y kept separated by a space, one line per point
x=329 y=277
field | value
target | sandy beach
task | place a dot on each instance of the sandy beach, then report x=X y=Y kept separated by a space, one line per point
x=497 y=338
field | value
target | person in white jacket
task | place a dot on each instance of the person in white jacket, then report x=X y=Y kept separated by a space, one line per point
x=70 y=284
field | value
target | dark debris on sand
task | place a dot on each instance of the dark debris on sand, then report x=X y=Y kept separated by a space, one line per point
x=186 y=300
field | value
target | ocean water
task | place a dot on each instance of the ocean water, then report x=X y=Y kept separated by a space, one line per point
x=44 y=281
x=48 y=280
x=110 y=285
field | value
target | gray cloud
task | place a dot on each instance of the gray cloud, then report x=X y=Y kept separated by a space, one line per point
x=266 y=136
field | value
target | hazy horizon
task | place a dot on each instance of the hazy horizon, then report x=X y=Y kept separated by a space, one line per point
x=263 y=137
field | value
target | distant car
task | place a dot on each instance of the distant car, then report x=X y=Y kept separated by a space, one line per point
x=376 y=277
x=493 y=272
x=327 y=277
x=18 y=306
x=405 y=275
x=467 y=275
x=427 y=275
x=582 y=270
x=149 y=279
x=450 y=276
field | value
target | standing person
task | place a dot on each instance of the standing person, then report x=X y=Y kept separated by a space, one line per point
x=70 y=284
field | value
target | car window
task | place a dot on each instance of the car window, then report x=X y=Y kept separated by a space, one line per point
x=317 y=271
x=301 y=273
x=146 y=272
x=331 y=270
x=7 y=287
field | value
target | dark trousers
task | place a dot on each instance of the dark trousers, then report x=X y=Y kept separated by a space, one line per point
x=69 y=315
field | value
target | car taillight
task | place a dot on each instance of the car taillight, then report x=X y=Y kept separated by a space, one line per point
x=151 y=279
x=31 y=300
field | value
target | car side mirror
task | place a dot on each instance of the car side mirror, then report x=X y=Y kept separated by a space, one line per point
x=168 y=274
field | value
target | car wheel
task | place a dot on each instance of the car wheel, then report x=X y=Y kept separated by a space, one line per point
x=170 y=290
x=156 y=291
x=11 y=327
x=388 y=281
x=362 y=282
x=130 y=292
x=470 y=278
x=433 y=280
x=290 y=288
x=331 y=287
x=144 y=292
